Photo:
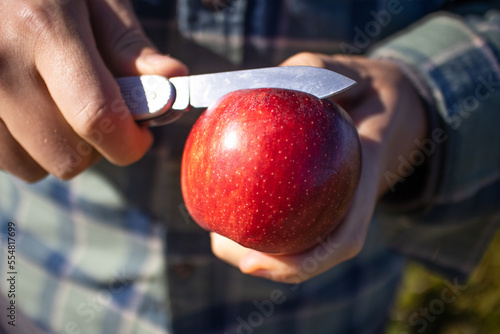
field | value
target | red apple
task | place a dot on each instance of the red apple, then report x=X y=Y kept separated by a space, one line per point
x=272 y=169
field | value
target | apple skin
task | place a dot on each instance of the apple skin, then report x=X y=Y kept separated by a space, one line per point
x=272 y=169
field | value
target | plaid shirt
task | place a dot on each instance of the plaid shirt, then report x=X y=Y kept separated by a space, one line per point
x=114 y=251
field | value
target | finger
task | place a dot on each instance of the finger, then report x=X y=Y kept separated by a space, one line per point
x=345 y=65
x=299 y=267
x=226 y=249
x=38 y=126
x=124 y=46
x=351 y=68
x=85 y=91
x=15 y=160
x=359 y=100
x=306 y=59
x=281 y=268
x=342 y=244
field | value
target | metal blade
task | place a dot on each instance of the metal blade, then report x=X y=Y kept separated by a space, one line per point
x=155 y=100
x=206 y=89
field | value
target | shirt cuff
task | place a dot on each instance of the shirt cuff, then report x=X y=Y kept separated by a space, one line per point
x=453 y=63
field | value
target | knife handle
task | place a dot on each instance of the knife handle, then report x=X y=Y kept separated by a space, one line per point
x=150 y=99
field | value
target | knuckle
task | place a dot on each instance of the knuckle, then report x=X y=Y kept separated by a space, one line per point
x=96 y=122
x=68 y=171
x=27 y=174
x=88 y=118
x=130 y=38
x=23 y=24
x=25 y=169
x=42 y=20
x=75 y=161
x=33 y=17
x=35 y=176
x=66 y=174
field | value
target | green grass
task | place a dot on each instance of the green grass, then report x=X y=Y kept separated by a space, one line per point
x=476 y=310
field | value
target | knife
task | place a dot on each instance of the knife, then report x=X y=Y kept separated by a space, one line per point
x=155 y=100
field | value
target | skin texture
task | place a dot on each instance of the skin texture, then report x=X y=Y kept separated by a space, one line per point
x=389 y=116
x=271 y=169
x=60 y=108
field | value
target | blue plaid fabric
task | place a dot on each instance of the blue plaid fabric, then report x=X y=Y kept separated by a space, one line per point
x=114 y=251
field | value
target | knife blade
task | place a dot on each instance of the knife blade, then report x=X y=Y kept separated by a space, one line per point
x=156 y=100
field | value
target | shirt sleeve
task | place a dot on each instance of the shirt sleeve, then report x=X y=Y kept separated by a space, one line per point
x=445 y=212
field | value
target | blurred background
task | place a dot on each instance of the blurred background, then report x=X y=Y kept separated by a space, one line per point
x=476 y=309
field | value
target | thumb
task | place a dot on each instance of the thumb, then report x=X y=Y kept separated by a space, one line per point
x=124 y=45
x=345 y=65
x=350 y=67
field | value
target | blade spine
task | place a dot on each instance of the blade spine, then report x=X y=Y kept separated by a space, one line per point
x=202 y=103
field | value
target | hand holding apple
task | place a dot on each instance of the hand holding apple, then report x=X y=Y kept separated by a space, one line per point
x=389 y=116
x=272 y=169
